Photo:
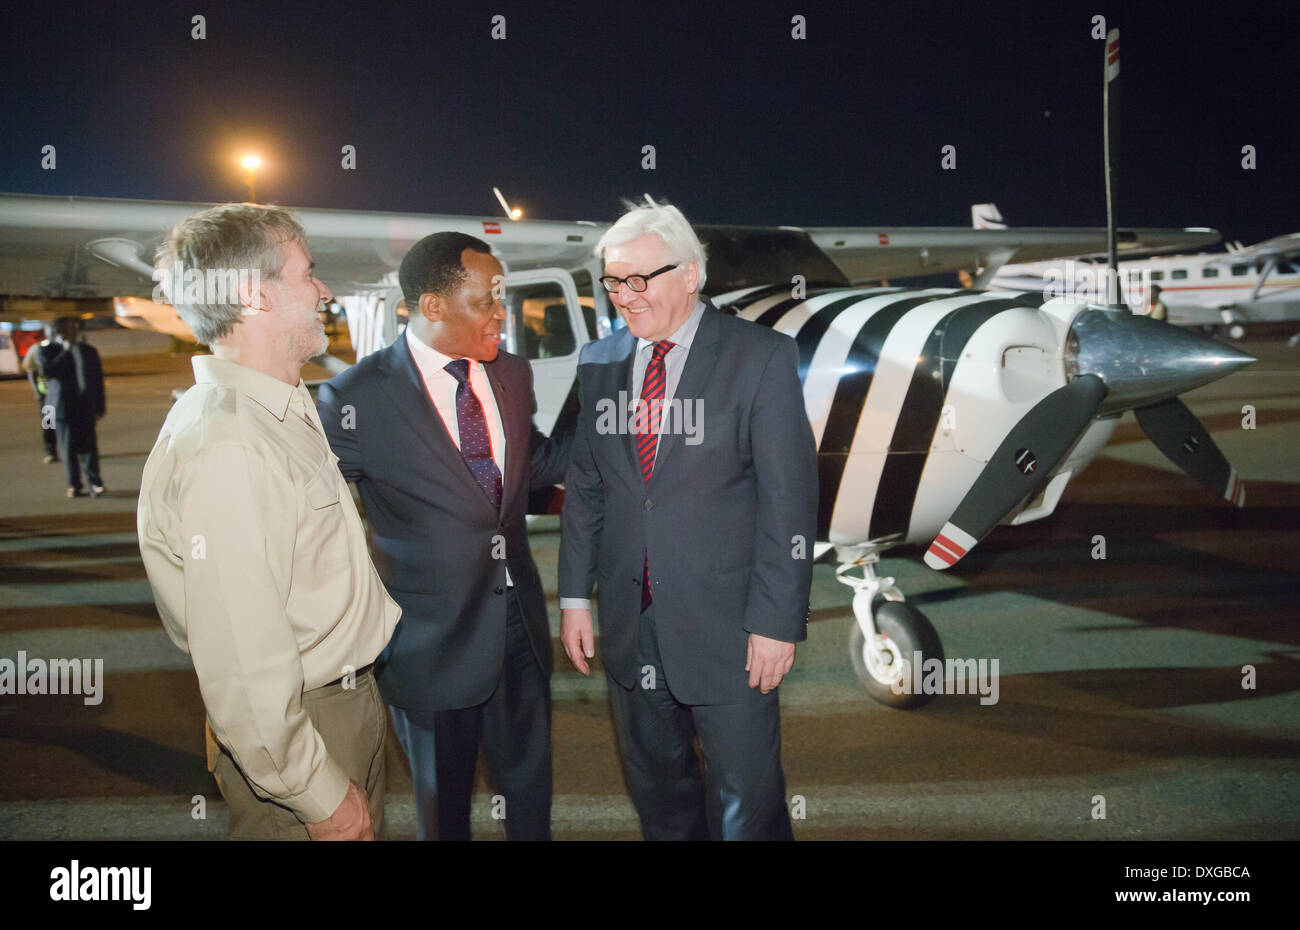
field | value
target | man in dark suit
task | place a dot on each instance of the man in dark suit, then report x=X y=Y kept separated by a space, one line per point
x=696 y=516
x=74 y=392
x=437 y=432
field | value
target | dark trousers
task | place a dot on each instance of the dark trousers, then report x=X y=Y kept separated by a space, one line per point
x=514 y=728
x=79 y=436
x=741 y=795
x=49 y=435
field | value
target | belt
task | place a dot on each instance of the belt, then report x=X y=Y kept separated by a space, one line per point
x=338 y=681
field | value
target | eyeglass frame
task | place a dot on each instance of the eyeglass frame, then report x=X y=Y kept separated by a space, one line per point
x=619 y=282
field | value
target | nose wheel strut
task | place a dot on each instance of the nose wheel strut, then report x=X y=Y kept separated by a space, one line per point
x=889 y=638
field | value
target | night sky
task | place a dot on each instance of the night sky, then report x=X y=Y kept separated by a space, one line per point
x=749 y=124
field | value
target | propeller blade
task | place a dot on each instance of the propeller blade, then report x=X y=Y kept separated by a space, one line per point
x=1021 y=467
x=1185 y=442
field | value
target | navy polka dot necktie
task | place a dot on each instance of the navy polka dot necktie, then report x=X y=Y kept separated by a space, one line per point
x=475 y=441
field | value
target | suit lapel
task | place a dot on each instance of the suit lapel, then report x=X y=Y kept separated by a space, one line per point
x=516 y=451
x=700 y=363
x=405 y=387
x=621 y=380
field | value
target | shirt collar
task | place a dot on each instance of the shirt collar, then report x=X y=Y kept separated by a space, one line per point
x=271 y=393
x=429 y=360
x=685 y=334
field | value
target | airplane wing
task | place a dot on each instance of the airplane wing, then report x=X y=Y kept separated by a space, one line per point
x=1281 y=247
x=102 y=247
x=887 y=253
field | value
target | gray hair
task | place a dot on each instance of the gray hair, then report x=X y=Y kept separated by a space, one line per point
x=666 y=222
x=215 y=249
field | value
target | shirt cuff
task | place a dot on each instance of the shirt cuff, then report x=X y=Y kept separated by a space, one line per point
x=575 y=603
x=322 y=797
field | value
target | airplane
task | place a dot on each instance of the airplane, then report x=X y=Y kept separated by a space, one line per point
x=942 y=413
x=938 y=413
x=1221 y=293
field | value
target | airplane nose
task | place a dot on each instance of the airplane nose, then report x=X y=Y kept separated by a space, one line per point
x=1144 y=361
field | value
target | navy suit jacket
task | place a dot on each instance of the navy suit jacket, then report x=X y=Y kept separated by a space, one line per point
x=728 y=521
x=435 y=537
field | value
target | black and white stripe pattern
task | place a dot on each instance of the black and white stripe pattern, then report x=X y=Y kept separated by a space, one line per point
x=845 y=337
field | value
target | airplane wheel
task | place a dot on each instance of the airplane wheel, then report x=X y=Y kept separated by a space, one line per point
x=1236 y=331
x=904 y=631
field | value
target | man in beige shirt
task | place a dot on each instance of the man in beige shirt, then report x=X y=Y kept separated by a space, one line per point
x=253 y=546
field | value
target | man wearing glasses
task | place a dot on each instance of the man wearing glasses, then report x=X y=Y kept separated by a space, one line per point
x=700 y=543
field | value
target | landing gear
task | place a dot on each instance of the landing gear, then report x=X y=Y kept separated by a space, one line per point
x=889 y=637
x=1233 y=327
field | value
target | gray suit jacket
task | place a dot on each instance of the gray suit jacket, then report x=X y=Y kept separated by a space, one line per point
x=722 y=521
x=433 y=532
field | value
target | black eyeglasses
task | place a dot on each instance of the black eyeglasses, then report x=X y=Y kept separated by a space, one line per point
x=638 y=282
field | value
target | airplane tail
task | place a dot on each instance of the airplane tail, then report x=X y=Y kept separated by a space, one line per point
x=986 y=216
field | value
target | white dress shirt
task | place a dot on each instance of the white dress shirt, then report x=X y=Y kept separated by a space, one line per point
x=441 y=388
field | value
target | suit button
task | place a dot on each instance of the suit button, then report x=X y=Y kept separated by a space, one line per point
x=498 y=590
x=649 y=505
x=637 y=582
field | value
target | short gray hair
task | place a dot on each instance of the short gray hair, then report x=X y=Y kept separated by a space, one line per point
x=666 y=222
x=222 y=243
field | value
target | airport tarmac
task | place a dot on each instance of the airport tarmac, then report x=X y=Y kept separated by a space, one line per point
x=1120 y=679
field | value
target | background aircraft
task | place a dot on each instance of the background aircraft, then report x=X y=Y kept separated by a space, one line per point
x=1222 y=292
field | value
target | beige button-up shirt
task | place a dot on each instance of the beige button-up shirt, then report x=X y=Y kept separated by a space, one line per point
x=259 y=567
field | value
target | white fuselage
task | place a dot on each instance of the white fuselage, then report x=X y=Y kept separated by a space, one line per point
x=909 y=394
x=1196 y=289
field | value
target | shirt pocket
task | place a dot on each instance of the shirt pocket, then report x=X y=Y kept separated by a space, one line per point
x=322 y=544
x=322 y=488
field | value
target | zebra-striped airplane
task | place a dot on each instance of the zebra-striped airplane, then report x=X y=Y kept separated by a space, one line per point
x=942 y=413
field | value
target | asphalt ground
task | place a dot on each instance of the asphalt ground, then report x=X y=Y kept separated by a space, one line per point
x=1121 y=680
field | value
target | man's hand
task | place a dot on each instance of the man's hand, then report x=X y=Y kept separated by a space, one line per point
x=350 y=820
x=768 y=661
x=577 y=636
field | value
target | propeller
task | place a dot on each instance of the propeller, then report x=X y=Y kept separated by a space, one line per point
x=1020 y=467
x=1185 y=442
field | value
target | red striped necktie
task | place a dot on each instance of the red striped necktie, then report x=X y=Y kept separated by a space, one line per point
x=648 y=420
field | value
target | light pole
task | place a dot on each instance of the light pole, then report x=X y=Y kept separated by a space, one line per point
x=251 y=163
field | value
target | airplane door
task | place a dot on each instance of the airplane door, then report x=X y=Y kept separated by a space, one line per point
x=546 y=324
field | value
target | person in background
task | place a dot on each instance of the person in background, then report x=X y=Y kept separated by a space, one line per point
x=1156 y=308
x=49 y=435
x=74 y=392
